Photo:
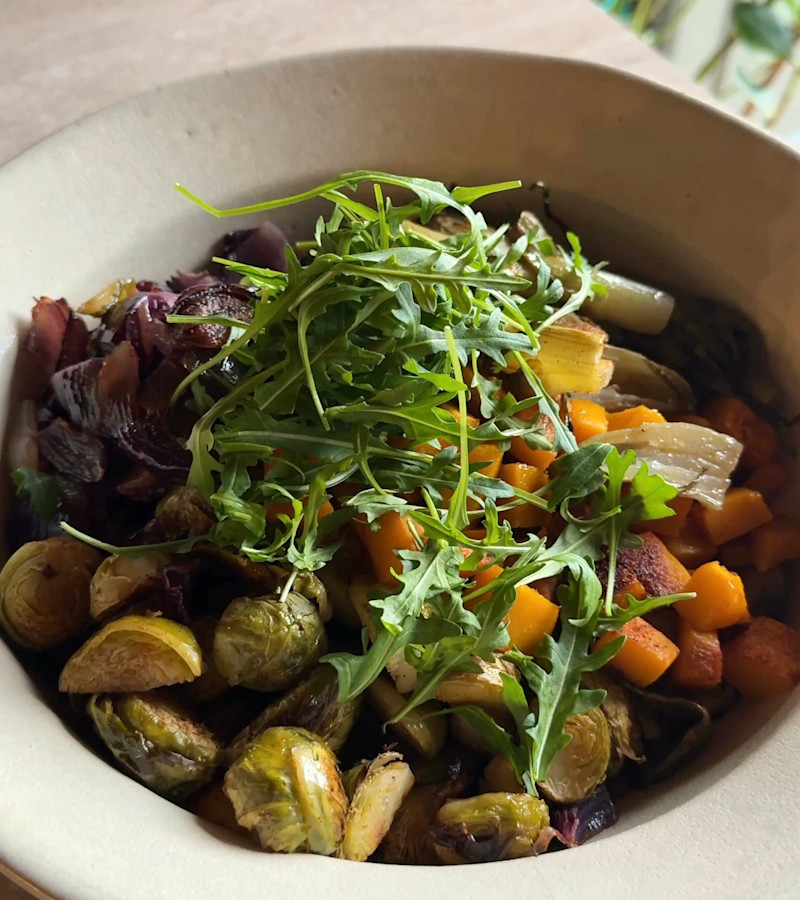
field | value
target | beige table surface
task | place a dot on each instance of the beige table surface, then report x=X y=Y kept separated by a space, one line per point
x=63 y=59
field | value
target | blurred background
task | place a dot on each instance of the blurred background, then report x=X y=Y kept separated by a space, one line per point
x=745 y=53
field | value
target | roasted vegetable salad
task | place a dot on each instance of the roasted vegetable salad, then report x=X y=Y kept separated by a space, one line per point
x=374 y=545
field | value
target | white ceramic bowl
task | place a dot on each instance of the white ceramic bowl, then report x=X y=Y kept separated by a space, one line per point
x=665 y=187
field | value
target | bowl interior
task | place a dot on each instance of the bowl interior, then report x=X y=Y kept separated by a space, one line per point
x=661 y=186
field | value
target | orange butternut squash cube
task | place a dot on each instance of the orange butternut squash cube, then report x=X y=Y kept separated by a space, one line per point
x=672 y=526
x=692 y=547
x=742 y=510
x=530 y=618
x=588 y=419
x=769 y=480
x=720 y=599
x=490 y=454
x=396 y=532
x=653 y=565
x=700 y=662
x=762 y=659
x=633 y=418
x=527 y=478
x=645 y=655
x=734 y=417
x=775 y=542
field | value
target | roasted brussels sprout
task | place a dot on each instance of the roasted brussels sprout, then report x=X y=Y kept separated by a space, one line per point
x=483 y=688
x=313 y=704
x=623 y=723
x=44 y=591
x=133 y=654
x=183 y=512
x=156 y=742
x=581 y=765
x=210 y=685
x=121 y=579
x=489 y=827
x=422 y=731
x=287 y=790
x=267 y=643
x=381 y=786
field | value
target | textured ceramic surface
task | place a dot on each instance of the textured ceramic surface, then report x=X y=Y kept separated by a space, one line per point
x=665 y=187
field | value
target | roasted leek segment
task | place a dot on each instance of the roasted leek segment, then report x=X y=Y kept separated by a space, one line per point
x=133 y=654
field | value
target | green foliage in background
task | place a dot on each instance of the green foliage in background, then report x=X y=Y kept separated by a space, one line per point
x=769 y=29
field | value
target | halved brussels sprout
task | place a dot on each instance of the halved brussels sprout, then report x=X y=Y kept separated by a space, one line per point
x=380 y=787
x=483 y=688
x=422 y=731
x=624 y=727
x=313 y=704
x=210 y=685
x=183 y=512
x=120 y=579
x=156 y=742
x=287 y=790
x=489 y=827
x=266 y=643
x=44 y=591
x=578 y=768
x=131 y=655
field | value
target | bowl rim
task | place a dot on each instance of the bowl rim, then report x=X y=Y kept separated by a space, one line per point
x=71 y=888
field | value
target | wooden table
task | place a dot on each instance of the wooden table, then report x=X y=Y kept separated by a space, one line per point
x=62 y=60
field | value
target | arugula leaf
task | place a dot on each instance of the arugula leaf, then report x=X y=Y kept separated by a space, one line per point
x=621 y=615
x=555 y=678
x=41 y=489
x=646 y=499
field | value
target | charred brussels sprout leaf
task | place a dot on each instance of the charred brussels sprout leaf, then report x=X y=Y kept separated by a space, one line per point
x=287 y=790
x=267 y=643
x=44 y=592
x=489 y=827
x=156 y=742
x=122 y=579
x=381 y=786
x=578 y=768
x=131 y=655
x=313 y=704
